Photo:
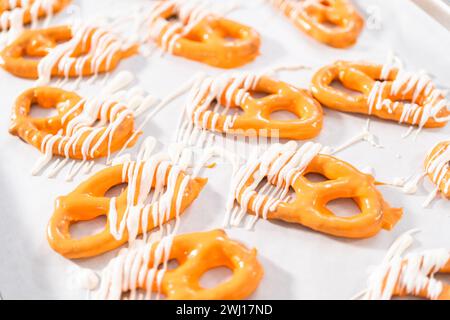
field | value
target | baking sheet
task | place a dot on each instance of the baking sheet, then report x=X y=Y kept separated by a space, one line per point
x=298 y=263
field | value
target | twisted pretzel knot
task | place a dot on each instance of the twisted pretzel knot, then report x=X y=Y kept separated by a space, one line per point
x=437 y=167
x=196 y=253
x=67 y=133
x=31 y=10
x=235 y=92
x=287 y=168
x=383 y=92
x=64 y=51
x=89 y=201
x=313 y=17
x=201 y=36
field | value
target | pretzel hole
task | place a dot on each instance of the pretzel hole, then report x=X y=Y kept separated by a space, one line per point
x=444 y=277
x=172 y=264
x=259 y=94
x=315 y=177
x=343 y=207
x=283 y=115
x=215 y=276
x=38 y=111
x=325 y=3
x=116 y=190
x=173 y=17
x=139 y=294
x=86 y=228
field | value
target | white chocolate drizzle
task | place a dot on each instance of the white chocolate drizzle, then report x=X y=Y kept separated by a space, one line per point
x=163 y=103
x=131 y=269
x=417 y=84
x=12 y=20
x=204 y=106
x=438 y=167
x=364 y=135
x=412 y=273
x=281 y=164
x=141 y=205
x=152 y=26
x=104 y=45
x=92 y=124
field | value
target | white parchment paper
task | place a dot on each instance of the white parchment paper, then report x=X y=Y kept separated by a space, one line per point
x=298 y=263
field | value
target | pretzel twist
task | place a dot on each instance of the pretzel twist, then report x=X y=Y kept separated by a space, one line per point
x=71 y=133
x=437 y=167
x=201 y=36
x=383 y=90
x=235 y=92
x=196 y=253
x=30 y=10
x=89 y=201
x=313 y=17
x=285 y=167
x=64 y=51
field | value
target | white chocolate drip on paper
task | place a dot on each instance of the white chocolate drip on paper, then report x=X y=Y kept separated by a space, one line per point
x=92 y=124
x=437 y=167
x=364 y=135
x=412 y=273
x=163 y=103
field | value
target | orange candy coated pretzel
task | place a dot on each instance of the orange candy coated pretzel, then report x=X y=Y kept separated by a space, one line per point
x=425 y=293
x=196 y=253
x=235 y=93
x=383 y=91
x=67 y=134
x=201 y=36
x=411 y=275
x=64 y=51
x=437 y=167
x=312 y=17
x=88 y=201
x=286 y=165
x=32 y=9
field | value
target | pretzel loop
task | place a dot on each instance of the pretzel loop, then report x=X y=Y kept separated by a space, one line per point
x=70 y=52
x=196 y=253
x=89 y=201
x=255 y=118
x=309 y=206
x=383 y=91
x=437 y=167
x=201 y=36
x=66 y=138
x=314 y=17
